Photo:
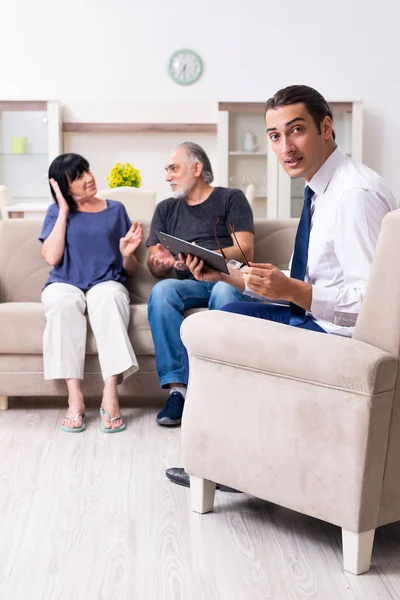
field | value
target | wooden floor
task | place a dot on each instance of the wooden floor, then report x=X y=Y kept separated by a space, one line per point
x=91 y=516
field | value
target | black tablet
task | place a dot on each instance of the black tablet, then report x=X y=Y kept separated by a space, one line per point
x=176 y=246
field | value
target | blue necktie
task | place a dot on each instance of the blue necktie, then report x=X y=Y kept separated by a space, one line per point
x=300 y=254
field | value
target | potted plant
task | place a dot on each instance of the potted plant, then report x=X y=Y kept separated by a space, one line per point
x=124 y=174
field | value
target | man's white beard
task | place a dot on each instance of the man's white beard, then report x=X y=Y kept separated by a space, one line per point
x=178 y=194
x=182 y=192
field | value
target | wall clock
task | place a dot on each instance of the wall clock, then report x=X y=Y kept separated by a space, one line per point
x=185 y=66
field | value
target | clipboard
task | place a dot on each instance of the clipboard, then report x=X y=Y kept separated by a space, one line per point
x=177 y=246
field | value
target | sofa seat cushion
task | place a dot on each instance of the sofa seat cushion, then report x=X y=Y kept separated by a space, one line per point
x=22 y=325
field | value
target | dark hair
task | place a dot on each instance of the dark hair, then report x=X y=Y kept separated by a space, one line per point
x=196 y=153
x=314 y=102
x=65 y=169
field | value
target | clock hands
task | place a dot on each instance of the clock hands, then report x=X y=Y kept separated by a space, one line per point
x=183 y=72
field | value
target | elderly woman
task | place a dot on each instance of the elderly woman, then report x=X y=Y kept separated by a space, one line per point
x=90 y=243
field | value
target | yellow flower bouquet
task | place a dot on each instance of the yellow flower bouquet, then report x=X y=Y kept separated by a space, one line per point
x=124 y=174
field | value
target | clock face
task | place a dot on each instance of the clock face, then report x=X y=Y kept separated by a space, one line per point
x=185 y=66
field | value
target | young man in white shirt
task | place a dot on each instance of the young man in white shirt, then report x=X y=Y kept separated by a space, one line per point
x=345 y=203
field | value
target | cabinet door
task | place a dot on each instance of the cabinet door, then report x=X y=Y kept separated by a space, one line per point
x=347 y=123
x=29 y=140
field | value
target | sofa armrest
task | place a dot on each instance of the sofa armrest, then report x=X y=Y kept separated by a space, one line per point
x=289 y=352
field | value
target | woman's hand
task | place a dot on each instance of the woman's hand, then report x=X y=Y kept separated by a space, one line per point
x=131 y=241
x=62 y=203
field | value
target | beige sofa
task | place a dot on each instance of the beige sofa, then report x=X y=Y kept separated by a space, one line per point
x=305 y=420
x=23 y=273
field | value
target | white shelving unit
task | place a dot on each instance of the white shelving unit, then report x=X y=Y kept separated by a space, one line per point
x=25 y=172
x=277 y=196
x=236 y=167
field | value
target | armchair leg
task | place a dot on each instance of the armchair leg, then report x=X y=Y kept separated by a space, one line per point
x=3 y=402
x=202 y=493
x=357 y=550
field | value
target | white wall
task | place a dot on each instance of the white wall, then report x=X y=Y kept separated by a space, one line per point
x=98 y=51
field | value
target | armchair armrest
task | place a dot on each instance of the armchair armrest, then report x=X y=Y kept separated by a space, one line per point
x=288 y=352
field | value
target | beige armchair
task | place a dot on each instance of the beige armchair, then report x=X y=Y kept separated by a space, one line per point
x=140 y=204
x=302 y=419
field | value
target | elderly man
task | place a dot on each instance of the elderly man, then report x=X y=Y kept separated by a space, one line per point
x=196 y=212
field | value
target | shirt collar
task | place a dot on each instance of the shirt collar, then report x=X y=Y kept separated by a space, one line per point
x=322 y=177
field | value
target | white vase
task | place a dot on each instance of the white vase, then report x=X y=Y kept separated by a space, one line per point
x=250 y=193
x=250 y=142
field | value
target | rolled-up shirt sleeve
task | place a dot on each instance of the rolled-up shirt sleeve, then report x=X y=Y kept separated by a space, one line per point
x=358 y=221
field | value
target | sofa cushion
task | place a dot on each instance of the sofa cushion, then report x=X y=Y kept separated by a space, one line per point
x=274 y=241
x=22 y=325
x=23 y=271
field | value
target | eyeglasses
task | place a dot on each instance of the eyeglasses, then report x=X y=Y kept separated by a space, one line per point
x=246 y=262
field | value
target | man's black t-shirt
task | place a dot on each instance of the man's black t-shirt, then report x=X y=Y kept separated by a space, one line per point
x=196 y=223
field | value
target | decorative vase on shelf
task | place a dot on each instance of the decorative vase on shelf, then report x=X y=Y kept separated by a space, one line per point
x=19 y=144
x=250 y=142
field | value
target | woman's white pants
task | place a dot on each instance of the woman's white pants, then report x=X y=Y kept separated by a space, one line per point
x=64 y=339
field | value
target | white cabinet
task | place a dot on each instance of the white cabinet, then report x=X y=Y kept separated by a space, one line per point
x=277 y=195
x=30 y=138
x=242 y=148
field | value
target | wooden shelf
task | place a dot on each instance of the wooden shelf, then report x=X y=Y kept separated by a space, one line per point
x=251 y=107
x=23 y=105
x=259 y=107
x=139 y=127
x=341 y=106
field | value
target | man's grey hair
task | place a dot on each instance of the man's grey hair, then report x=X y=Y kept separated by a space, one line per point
x=196 y=153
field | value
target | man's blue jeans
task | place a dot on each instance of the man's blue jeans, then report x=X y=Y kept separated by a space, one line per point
x=168 y=301
x=271 y=312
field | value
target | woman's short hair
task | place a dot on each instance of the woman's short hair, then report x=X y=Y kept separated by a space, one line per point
x=196 y=153
x=65 y=169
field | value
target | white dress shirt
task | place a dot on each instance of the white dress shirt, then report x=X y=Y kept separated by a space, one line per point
x=349 y=203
